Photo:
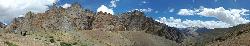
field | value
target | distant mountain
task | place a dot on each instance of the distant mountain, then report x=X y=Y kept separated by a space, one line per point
x=222 y=34
x=218 y=36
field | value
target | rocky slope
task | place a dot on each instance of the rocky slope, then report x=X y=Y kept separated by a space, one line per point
x=240 y=40
x=224 y=36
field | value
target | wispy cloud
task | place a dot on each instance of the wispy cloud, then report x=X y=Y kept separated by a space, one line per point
x=156 y=11
x=187 y=12
x=144 y=2
x=113 y=3
x=171 y=10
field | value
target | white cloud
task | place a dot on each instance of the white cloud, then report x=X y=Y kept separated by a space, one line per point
x=103 y=8
x=143 y=10
x=192 y=23
x=226 y=18
x=14 y=8
x=187 y=12
x=66 y=5
x=231 y=16
x=113 y=3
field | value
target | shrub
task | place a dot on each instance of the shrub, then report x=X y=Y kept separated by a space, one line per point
x=52 y=40
x=10 y=44
x=65 y=44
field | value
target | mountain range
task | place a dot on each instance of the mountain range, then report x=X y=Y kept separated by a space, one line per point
x=82 y=27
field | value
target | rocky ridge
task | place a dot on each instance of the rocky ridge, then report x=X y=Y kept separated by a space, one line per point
x=75 y=18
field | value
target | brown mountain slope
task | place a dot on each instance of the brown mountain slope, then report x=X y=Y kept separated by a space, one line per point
x=223 y=35
x=77 y=26
x=241 y=40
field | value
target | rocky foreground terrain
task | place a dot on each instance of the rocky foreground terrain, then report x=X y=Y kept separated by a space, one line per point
x=76 y=26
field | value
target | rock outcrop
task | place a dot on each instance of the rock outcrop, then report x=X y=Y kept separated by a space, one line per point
x=135 y=21
x=2 y=25
x=75 y=18
x=106 y=22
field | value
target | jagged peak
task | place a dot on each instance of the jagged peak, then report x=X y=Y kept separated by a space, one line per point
x=103 y=13
x=54 y=6
x=138 y=12
x=76 y=5
x=134 y=12
x=29 y=14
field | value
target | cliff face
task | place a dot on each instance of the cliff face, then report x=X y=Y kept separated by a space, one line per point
x=135 y=21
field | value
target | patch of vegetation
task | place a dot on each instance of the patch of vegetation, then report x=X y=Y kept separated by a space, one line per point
x=85 y=44
x=9 y=43
x=50 y=36
x=24 y=33
x=65 y=44
x=52 y=40
x=74 y=43
x=58 y=40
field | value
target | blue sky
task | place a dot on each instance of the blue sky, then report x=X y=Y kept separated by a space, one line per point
x=176 y=13
x=163 y=6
